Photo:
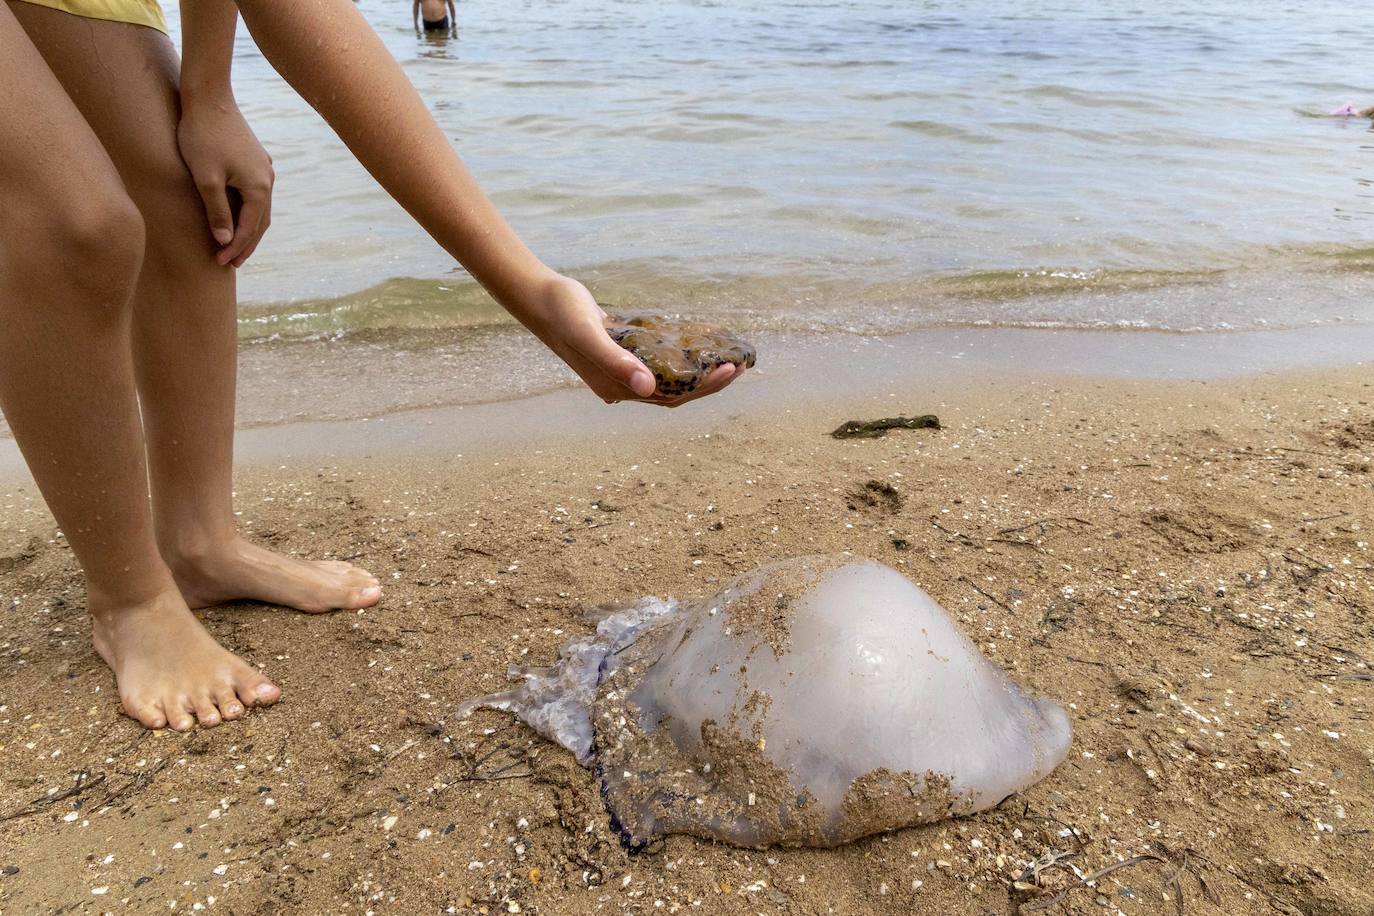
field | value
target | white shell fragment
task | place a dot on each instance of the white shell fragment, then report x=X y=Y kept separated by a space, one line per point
x=811 y=702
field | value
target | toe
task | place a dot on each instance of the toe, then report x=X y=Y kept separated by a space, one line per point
x=365 y=596
x=355 y=572
x=179 y=714
x=207 y=713
x=146 y=712
x=256 y=690
x=230 y=706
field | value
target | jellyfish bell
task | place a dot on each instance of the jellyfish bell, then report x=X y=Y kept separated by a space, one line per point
x=810 y=702
x=680 y=353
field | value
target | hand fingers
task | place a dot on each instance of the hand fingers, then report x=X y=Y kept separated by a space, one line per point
x=262 y=230
x=248 y=230
x=617 y=364
x=718 y=378
x=221 y=218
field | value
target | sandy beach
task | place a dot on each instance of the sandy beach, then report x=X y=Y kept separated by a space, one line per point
x=1184 y=564
x=1124 y=252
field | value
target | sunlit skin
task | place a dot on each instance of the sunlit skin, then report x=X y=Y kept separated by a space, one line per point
x=133 y=189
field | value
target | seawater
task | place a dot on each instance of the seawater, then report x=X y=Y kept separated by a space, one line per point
x=868 y=166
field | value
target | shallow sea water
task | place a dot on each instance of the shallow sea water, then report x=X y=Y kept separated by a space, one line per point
x=869 y=166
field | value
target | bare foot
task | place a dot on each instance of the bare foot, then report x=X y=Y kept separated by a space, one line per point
x=240 y=570
x=170 y=670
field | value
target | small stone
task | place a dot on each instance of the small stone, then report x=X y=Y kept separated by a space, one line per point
x=1200 y=747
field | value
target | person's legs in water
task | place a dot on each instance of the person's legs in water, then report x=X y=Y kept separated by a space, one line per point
x=71 y=245
x=185 y=343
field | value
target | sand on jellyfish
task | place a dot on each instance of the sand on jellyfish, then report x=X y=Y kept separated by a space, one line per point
x=808 y=703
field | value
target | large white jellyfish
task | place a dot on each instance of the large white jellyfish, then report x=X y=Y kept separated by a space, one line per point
x=809 y=703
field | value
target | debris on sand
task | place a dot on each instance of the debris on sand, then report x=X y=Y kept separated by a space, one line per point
x=874 y=429
x=875 y=494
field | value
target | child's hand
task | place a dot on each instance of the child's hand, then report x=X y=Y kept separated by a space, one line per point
x=570 y=322
x=222 y=153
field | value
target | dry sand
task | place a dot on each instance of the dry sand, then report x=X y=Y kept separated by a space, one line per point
x=1186 y=566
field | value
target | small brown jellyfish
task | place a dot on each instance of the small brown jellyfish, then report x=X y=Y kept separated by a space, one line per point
x=679 y=353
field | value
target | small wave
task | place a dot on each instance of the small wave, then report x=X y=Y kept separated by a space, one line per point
x=702 y=134
x=596 y=205
x=1086 y=99
x=731 y=117
x=1029 y=55
x=550 y=84
x=1275 y=288
x=945 y=131
x=1001 y=285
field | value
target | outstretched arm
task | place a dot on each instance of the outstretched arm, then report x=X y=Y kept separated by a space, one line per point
x=331 y=56
x=415 y=15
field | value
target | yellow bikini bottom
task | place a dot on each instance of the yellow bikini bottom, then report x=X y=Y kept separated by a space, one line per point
x=138 y=12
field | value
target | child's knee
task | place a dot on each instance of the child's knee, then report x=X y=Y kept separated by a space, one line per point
x=91 y=242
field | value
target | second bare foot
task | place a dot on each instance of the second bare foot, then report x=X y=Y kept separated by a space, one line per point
x=169 y=669
x=239 y=571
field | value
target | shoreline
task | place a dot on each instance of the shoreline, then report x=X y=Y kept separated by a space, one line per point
x=836 y=372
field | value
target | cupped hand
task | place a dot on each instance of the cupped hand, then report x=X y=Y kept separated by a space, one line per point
x=233 y=174
x=570 y=322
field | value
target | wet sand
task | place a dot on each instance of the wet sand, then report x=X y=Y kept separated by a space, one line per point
x=1185 y=564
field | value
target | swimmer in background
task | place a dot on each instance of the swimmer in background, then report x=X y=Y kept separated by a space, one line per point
x=439 y=17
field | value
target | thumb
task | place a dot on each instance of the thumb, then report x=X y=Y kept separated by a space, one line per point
x=616 y=362
x=217 y=211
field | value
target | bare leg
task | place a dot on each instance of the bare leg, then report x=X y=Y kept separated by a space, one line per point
x=185 y=345
x=71 y=243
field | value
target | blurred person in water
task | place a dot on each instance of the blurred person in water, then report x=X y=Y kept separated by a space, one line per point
x=438 y=16
x=133 y=188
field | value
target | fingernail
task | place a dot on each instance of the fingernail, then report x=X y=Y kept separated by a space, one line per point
x=643 y=383
x=223 y=236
